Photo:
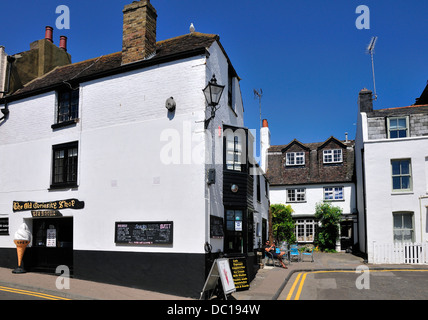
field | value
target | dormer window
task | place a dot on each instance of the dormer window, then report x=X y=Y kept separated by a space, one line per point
x=294 y=158
x=332 y=156
x=398 y=127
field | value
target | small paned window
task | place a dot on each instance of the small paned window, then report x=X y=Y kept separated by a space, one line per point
x=333 y=193
x=68 y=105
x=295 y=158
x=64 y=172
x=401 y=175
x=332 y=156
x=398 y=127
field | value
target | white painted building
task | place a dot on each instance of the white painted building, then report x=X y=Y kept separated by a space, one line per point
x=392 y=173
x=304 y=174
x=98 y=134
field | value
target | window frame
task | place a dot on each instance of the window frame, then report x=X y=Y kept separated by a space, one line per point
x=401 y=176
x=331 y=153
x=334 y=192
x=67 y=109
x=293 y=195
x=305 y=230
x=292 y=158
x=68 y=171
x=389 y=130
x=235 y=160
x=402 y=229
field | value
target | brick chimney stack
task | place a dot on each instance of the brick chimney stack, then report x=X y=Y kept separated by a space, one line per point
x=139 y=31
x=365 y=101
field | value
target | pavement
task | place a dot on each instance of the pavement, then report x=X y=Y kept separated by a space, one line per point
x=267 y=285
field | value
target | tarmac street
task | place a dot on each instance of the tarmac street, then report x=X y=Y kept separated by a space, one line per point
x=405 y=284
x=330 y=276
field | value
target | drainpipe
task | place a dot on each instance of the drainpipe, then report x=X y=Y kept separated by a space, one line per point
x=420 y=215
x=5 y=111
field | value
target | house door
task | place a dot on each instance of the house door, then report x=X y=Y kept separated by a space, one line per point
x=346 y=235
x=52 y=244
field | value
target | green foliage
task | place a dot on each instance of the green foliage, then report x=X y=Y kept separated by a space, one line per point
x=283 y=225
x=328 y=231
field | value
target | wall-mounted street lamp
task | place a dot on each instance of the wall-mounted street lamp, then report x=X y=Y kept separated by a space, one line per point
x=212 y=92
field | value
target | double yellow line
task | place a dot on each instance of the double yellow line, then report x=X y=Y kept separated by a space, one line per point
x=32 y=293
x=299 y=290
x=302 y=281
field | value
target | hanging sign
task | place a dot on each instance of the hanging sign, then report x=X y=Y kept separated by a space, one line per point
x=52 y=205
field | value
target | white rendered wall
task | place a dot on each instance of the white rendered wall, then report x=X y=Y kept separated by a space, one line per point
x=382 y=201
x=314 y=195
x=121 y=174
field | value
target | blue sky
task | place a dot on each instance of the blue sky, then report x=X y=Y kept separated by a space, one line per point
x=307 y=56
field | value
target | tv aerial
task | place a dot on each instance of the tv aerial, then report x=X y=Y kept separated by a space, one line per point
x=258 y=94
x=370 y=50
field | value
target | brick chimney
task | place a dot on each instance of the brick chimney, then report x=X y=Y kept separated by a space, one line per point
x=139 y=31
x=365 y=101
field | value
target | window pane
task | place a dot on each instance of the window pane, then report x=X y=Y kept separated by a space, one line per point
x=405 y=182
x=238 y=215
x=395 y=167
x=407 y=221
x=407 y=235
x=402 y=123
x=230 y=215
x=396 y=183
x=405 y=166
x=398 y=221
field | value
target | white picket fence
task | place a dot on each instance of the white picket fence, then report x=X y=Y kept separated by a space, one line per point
x=400 y=253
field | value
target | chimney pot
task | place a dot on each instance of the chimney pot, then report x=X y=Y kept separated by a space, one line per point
x=265 y=123
x=63 y=42
x=49 y=33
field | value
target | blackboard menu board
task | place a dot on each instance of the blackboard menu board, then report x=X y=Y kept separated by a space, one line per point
x=140 y=233
x=4 y=226
x=216 y=227
x=239 y=273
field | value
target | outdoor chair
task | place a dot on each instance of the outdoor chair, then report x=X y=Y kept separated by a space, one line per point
x=308 y=253
x=294 y=252
x=269 y=256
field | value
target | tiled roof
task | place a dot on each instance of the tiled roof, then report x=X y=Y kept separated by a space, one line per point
x=97 y=67
x=413 y=109
x=314 y=171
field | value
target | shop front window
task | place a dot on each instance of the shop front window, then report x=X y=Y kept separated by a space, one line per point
x=234 y=239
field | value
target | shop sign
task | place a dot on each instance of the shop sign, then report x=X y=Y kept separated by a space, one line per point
x=45 y=213
x=52 y=205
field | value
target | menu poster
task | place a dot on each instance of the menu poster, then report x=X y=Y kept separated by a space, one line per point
x=51 y=238
x=216 y=227
x=144 y=233
x=239 y=273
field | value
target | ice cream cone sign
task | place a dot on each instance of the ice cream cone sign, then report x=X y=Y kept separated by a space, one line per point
x=22 y=239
